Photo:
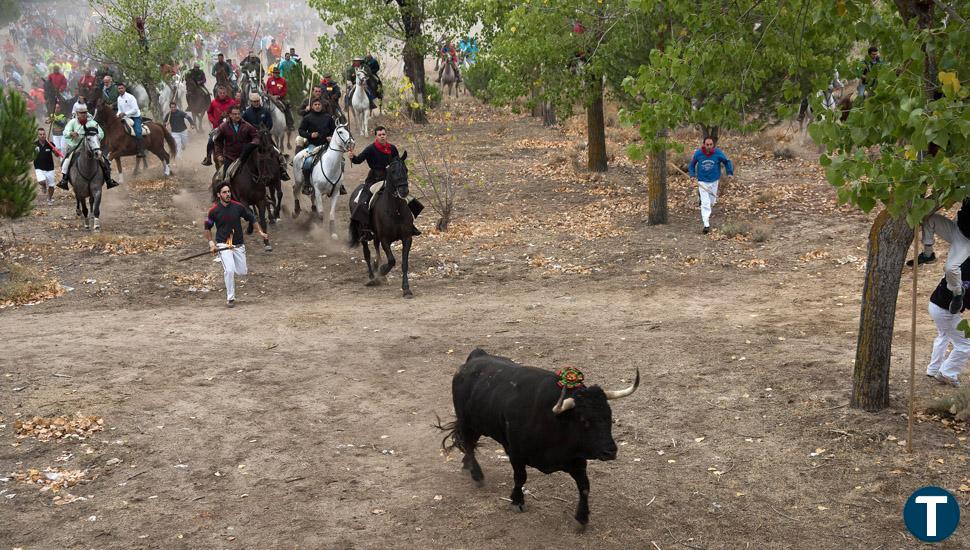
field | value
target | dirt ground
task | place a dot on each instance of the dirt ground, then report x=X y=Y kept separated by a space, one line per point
x=302 y=418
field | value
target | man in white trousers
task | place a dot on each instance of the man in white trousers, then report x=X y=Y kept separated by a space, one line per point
x=227 y=215
x=705 y=166
x=957 y=233
x=947 y=368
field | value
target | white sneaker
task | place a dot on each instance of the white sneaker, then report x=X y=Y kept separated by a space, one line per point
x=943 y=379
x=50 y=202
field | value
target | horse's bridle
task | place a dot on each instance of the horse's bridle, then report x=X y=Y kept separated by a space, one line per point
x=343 y=142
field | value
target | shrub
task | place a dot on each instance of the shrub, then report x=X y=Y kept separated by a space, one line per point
x=957 y=404
x=477 y=77
x=17 y=134
x=432 y=95
x=733 y=229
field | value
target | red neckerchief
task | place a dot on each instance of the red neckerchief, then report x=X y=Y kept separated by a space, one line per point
x=386 y=149
x=706 y=151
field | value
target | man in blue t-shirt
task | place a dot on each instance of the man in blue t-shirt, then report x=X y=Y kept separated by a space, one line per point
x=705 y=167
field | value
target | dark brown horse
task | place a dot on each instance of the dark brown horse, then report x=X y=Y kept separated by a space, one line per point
x=257 y=185
x=120 y=144
x=391 y=220
x=198 y=100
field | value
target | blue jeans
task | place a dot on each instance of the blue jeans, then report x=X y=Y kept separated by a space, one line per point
x=136 y=122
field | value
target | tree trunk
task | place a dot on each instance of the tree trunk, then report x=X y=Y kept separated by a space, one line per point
x=548 y=114
x=595 y=127
x=710 y=132
x=889 y=239
x=657 y=185
x=413 y=58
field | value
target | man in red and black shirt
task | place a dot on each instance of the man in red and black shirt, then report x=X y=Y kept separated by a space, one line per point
x=377 y=155
x=234 y=139
x=217 y=112
x=226 y=216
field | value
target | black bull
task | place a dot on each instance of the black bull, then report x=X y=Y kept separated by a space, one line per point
x=538 y=424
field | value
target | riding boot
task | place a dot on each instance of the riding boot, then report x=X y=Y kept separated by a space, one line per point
x=141 y=147
x=207 y=161
x=106 y=171
x=63 y=183
x=284 y=176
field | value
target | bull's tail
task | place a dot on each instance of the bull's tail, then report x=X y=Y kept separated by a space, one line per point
x=451 y=432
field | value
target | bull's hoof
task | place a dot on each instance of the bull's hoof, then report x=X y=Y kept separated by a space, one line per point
x=408 y=294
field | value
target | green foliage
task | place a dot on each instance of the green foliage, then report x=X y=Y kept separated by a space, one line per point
x=884 y=152
x=299 y=81
x=17 y=134
x=477 y=78
x=740 y=65
x=169 y=27
x=432 y=95
x=9 y=11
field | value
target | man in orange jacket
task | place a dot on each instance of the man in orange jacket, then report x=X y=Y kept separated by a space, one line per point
x=276 y=86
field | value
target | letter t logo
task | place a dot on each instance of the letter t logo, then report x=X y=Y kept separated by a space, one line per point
x=931 y=502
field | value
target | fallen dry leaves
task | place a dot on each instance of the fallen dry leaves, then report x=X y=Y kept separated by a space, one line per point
x=54 y=480
x=59 y=427
x=109 y=243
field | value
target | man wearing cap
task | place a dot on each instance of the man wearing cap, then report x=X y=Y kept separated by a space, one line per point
x=74 y=133
x=330 y=89
x=128 y=108
x=196 y=75
x=276 y=86
x=252 y=66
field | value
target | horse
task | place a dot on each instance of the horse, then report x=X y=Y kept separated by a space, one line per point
x=123 y=145
x=179 y=92
x=391 y=220
x=256 y=179
x=164 y=98
x=87 y=179
x=222 y=79
x=449 y=77
x=279 y=122
x=326 y=176
x=198 y=102
x=360 y=103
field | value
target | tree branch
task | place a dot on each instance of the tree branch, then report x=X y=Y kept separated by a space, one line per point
x=950 y=11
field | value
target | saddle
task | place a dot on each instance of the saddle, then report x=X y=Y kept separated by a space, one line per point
x=130 y=126
x=275 y=101
x=414 y=205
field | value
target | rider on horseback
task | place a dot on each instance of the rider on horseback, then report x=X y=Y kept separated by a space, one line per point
x=276 y=86
x=374 y=87
x=128 y=108
x=217 y=112
x=445 y=56
x=74 y=134
x=317 y=127
x=196 y=75
x=330 y=89
x=235 y=139
x=377 y=155
x=260 y=118
x=252 y=66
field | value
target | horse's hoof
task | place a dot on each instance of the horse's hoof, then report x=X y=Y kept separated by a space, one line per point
x=408 y=294
x=373 y=282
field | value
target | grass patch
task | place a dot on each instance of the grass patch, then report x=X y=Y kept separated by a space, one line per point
x=21 y=285
x=736 y=229
x=760 y=234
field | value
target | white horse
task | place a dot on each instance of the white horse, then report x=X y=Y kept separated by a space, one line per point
x=449 y=78
x=141 y=96
x=360 y=103
x=325 y=177
x=279 y=123
x=180 y=92
x=164 y=98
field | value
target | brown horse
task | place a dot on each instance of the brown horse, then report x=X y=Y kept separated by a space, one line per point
x=120 y=144
x=198 y=100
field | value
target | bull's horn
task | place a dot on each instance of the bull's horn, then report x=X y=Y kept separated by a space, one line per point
x=563 y=404
x=616 y=394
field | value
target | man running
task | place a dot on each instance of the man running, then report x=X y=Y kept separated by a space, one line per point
x=377 y=155
x=945 y=368
x=226 y=216
x=44 y=164
x=178 y=123
x=705 y=167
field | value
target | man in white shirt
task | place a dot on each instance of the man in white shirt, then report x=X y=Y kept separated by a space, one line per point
x=128 y=108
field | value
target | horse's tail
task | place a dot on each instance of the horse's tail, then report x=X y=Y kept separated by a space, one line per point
x=170 y=140
x=354 y=232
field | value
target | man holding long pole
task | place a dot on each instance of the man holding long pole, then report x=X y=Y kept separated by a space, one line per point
x=227 y=215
